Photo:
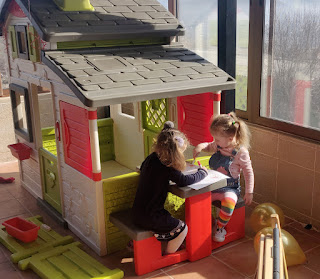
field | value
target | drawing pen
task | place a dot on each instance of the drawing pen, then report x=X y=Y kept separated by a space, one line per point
x=199 y=164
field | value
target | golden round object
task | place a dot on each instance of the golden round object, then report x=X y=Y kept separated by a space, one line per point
x=261 y=216
x=292 y=249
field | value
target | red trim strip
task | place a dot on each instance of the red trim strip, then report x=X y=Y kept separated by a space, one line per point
x=92 y=114
x=216 y=97
x=96 y=176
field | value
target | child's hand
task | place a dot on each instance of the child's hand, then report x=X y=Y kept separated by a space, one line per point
x=204 y=168
x=248 y=198
x=196 y=151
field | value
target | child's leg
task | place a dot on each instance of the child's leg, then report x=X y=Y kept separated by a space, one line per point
x=174 y=244
x=228 y=202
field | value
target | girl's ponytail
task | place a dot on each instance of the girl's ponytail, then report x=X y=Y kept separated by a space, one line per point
x=170 y=145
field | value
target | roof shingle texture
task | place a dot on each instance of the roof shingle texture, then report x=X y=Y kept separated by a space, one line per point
x=119 y=75
x=111 y=19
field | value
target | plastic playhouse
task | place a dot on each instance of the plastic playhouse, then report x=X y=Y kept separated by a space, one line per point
x=90 y=89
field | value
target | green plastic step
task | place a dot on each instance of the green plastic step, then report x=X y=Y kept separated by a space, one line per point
x=68 y=262
x=46 y=240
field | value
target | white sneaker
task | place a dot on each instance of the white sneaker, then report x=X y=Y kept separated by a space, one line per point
x=220 y=235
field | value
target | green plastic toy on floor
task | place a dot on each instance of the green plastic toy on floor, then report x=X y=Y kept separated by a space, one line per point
x=54 y=256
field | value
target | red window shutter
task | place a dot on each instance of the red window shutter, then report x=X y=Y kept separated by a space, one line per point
x=194 y=116
x=76 y=138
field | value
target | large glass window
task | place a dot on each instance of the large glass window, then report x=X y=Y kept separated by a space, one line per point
x=290 y=83
x=242 y=54
x=200 y=19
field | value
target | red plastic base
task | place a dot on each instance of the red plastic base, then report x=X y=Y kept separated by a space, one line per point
x=235 y=228
x=148 y=256
x=199 y=220
x=147 y=252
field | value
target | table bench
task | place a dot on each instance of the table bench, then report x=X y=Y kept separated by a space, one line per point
x=147 y=249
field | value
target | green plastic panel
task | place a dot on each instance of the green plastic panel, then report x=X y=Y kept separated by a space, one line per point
x=50 y=179
x=175 y=206
x=46 y=240
x=76 y=6
x=149 y=138
x=154 y=114
x=33 y=44
x=119 y=193
x=111 y=43
x=49 y=140
x=203 y=160
x=13 y=38
x=106 y=140
x=68 y=262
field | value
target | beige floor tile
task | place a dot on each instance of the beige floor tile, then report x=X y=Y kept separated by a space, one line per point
x=8 y=271
x=301 y=272
x=6 y=253
x=9 y=167
x=174 y=266
x=241 y=257
x=18 y=192
x=11 y=208
x=209 y=267
x=5 y=195
x=27 y=274
x=229 y=245
x=300 y=227
x=313 y=261
x=305 y=241
x=3 y=257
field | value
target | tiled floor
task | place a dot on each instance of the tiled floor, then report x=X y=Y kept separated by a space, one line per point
x=235 y=260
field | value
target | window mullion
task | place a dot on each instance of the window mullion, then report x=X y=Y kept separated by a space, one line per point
x=256 y=29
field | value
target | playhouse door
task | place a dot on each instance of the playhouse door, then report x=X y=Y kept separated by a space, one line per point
x=128 y=137
x=154 y=115
x=46 y=139
x=50 y=179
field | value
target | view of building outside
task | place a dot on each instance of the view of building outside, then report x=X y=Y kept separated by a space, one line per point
x=200 y=19
x=291 y=62
x=3 y=64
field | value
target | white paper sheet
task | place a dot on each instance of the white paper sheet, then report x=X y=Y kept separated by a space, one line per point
x=212 y=177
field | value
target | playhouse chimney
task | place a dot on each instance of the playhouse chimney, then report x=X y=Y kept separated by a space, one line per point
x=74 y=6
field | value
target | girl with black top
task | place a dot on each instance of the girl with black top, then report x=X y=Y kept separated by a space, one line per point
x=165 y=164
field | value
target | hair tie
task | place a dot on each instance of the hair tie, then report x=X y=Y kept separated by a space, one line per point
x=180 y=141
x=168 y=125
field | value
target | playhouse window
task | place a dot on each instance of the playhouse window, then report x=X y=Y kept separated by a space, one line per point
x=21 y=111
x=22 y=42
x=128 y=109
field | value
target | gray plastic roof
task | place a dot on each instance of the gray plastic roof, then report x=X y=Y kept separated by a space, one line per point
x=102 y=77
x=112 y=19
